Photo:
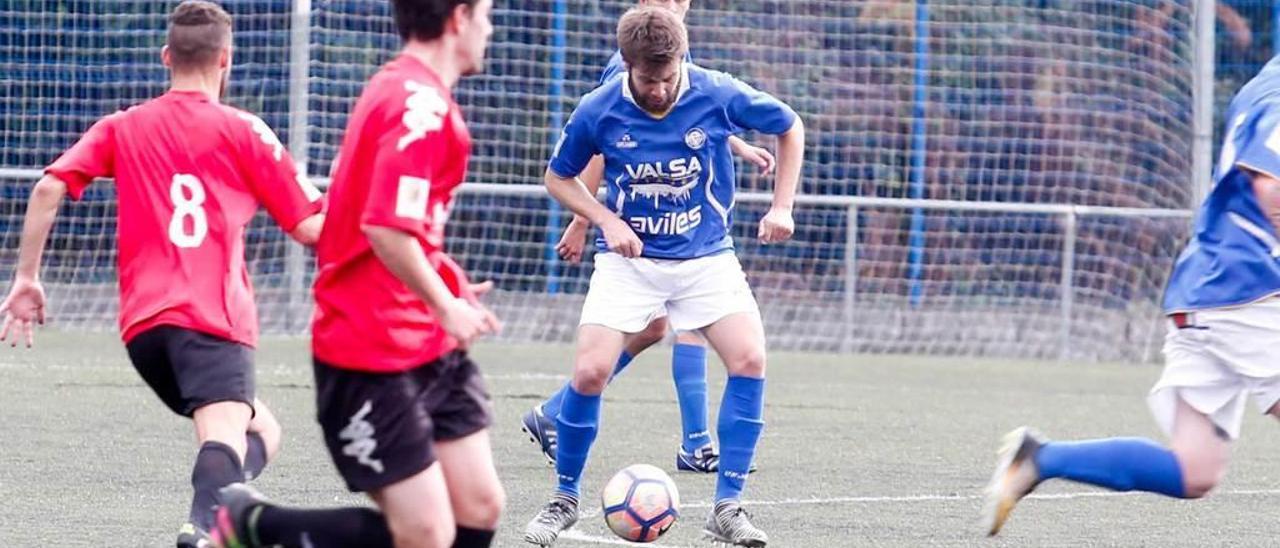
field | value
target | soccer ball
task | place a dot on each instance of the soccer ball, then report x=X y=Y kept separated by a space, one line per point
x=640 y=503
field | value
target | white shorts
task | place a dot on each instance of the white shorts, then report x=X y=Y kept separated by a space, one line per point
x=1222 y=358
x=626 y=294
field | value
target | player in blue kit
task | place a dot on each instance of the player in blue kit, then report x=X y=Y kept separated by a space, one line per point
x=696 y=453
x=663 y=131
x=1223 y=345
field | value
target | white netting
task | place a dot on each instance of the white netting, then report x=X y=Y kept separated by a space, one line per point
x=1015 y=101
x=64 y=64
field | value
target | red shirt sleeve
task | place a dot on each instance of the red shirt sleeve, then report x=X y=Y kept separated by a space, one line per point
x=409 y=157
x=91 y=157
x=274 y=178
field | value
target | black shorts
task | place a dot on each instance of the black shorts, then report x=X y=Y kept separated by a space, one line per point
x=189 y=369
x=381 y=427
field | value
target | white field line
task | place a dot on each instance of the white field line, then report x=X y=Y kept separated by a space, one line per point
x=574 y=534
x=942 y=498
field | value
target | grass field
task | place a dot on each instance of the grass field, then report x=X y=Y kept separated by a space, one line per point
x=858 y=451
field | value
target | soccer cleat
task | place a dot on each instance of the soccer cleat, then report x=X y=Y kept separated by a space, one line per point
x=542 y=431
x=703 y=460
x=1015 y=477
x=232 y=522
x=729 y=524
x=190 y=536
x=560 y=513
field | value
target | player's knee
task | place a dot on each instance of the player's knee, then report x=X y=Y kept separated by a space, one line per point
x=590 y=380
x=747 y=363
x=1198 y=484
x=482 y=510
x=1202 y=471
x=422 y=533
x=591 y=373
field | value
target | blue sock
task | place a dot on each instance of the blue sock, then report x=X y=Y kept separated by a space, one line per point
x=623 y=361
x=689 y=370
x=576 y=428
x=1122 y=464
x=551 y=408
x=741 y=420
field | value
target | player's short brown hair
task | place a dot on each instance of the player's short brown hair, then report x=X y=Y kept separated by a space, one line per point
x=424 y=19
x=198 y=31
x=652 y=36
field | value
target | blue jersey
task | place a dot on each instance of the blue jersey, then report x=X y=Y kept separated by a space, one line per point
x=671 y=178
x=616 y=66
x=1234 y=256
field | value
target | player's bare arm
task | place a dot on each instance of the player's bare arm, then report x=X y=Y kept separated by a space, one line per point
x=1267 y=190
x=404 y=257
x=574 y=195
x=574 y=238
x=751 y=154
x=308 y=231
x=778 y=225
x=23 y=308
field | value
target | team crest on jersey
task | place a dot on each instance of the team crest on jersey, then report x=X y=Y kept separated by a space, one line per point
x=626 y=142
x=695 y=138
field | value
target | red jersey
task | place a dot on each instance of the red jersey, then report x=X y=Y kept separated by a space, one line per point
x=190 y=174
x=404 y=152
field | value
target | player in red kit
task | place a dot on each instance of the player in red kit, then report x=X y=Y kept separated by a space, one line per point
x=190 y=174
x=405 y=413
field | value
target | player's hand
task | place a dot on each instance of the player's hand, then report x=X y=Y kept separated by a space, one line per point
x=466 y=321
x=759 y=157
x=621 y=239
x=573 y=240
x=480 y=289
x=776 y=226
x=22 y=309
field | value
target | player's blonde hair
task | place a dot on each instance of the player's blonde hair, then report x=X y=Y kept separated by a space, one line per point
x=198 y=32
x=651 y=36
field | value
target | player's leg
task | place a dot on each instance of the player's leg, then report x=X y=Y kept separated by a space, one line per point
x=577 y=425
x=715 y=298
x=262 y=442
x=210 y=380
x=540 y=422
x=1191 y=466
x=622 y=299
x=739 y=341
x=415 y=512
x=689 y=372
x=379 y=433
x=418 y=510
x=1199 y=402
x=474 y=489
x=461 y=412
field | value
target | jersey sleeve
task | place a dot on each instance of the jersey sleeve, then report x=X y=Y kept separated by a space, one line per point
x=1259 y=143
x=749 y=108
x=612 y=69
x=273 y=177
x=91 y=157
x=576 y=147
x=406 y=162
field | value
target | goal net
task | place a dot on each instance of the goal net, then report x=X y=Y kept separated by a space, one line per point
x=1023 y=106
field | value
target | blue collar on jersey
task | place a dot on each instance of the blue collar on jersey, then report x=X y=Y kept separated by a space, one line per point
x=684 y=86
